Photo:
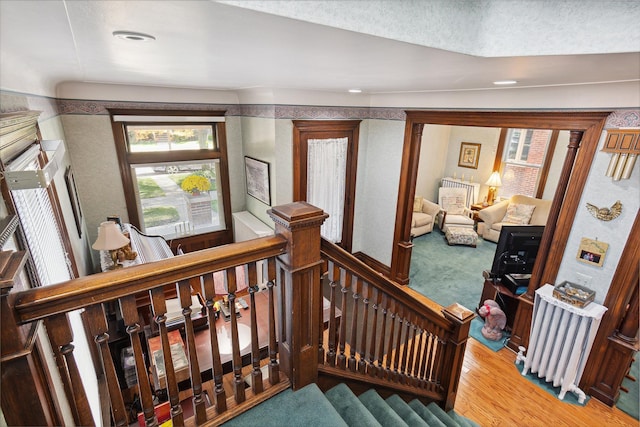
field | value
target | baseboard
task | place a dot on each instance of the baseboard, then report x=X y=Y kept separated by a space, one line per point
x=373 y=263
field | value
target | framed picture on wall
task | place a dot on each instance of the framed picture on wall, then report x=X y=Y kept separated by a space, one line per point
x=469 y=155
x=73 y=197
x=592 y=251
x=257 y=176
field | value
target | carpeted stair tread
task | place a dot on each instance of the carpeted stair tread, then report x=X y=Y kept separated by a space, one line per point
x=305 y=407
x=462 y=421
x=350 y=407
x=406 y=413
x=426 y=414
x=442 y=415
x=380 y=409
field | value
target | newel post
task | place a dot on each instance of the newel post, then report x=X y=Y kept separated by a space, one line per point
x=299 y=291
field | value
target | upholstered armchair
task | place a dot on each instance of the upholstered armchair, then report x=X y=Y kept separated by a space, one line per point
x=518 y=210
x=423 y=216
x=454 y=211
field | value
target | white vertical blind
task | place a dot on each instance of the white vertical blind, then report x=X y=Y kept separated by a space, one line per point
x=326 y=175
x=42 y=234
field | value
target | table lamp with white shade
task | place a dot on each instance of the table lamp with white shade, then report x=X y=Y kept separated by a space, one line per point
x=493 y=182
x=110 y=238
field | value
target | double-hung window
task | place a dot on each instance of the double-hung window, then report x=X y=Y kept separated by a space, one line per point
x=174 y=171
x=523 y=159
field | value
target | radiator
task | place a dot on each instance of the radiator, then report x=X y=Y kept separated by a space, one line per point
x=560 y=341
x=473 y=188
x=246 y=227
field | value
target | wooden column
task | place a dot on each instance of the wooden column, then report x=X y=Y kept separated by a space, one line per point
x=522 y=322
x=300 y=294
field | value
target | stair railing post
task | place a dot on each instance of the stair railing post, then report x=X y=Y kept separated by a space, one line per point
x=299 y=295
x=454 y=356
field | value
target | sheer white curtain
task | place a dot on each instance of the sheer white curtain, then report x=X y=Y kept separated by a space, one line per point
x=326 y=173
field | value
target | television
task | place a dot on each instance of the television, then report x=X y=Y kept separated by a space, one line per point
x=516 y=251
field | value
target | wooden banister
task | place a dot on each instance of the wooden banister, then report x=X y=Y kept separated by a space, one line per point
x=412 y=344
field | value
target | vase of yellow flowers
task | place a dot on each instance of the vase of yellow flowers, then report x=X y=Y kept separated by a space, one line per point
x=195 y=184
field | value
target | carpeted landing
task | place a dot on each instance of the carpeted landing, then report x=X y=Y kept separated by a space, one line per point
x=341 y=407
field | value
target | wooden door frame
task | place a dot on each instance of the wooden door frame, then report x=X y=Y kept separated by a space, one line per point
x=585 y=131
x=304 y=130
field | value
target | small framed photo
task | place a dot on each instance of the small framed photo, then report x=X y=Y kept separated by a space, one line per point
x=592 y=251
x=73 y=197
x=257 y=175
x=469 y=155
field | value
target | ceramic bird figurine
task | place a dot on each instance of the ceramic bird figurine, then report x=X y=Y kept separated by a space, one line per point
x=606 y=214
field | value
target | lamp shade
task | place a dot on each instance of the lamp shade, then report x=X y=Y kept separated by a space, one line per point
x=494 y=180
x=109 y=237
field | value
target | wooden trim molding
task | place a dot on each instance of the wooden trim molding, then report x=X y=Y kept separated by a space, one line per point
x=589 y=124
x=303 y=130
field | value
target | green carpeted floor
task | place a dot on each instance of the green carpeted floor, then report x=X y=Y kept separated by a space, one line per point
x=448 y=274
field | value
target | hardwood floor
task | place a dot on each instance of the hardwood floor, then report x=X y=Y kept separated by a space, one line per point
x=492 y=392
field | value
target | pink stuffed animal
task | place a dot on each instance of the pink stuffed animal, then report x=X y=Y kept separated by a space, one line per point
x=494 y=320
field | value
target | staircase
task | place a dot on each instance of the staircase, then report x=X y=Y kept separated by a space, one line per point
x=309 y=407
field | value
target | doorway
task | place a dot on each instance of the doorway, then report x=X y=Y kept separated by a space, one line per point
x=309 y=137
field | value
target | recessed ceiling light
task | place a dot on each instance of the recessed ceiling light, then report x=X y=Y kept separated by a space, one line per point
x=133 y=36
x=505 y=82
x=355 y=90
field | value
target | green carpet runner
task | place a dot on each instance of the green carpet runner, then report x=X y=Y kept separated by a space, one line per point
x=339 y=406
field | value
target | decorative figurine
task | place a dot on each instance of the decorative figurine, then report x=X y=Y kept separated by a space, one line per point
x=494 y=320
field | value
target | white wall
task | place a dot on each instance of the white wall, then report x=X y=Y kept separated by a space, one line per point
x=433 y=159
x=602 y=192
x=377 y=188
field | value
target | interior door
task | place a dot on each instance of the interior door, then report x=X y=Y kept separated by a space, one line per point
x=305 y=130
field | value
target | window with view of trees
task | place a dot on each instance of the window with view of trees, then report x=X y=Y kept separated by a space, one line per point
x=523 y=160
x=176 y=170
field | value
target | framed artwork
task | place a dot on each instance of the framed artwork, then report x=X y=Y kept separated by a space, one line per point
x=469 y=155
x=257 y=176
x=592 y=251
x=73 y=197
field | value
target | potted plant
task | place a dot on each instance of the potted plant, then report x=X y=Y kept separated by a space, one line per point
x=195 y=184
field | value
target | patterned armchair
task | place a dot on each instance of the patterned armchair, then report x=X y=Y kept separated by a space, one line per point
x=454 y=211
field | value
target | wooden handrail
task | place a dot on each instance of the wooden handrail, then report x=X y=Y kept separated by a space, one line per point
x=403 y=294
x=38 y=303
x=413 y=347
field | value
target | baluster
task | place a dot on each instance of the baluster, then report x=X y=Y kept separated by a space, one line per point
x=428 y=373
x=440 y=352
x=238 y=382
x=61 y=336
x=396 y=359
x=387 y=368
x=159 y=308
x=209 y=291
x=382 y=338
x=345 y=285
x=184 y=292
x=334 y=277
x=274 y=368
x=256 y=373
x=419 y=358
x=354 y=326
x=411 y=348
x=366 y=293
x=98 y=328
x=320 y=320
x=371 y=355
x=130 y=318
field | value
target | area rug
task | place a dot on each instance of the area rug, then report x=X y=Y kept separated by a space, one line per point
x=476 y=333
x=569 y=397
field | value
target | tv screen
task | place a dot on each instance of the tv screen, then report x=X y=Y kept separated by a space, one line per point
x=517 y=249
